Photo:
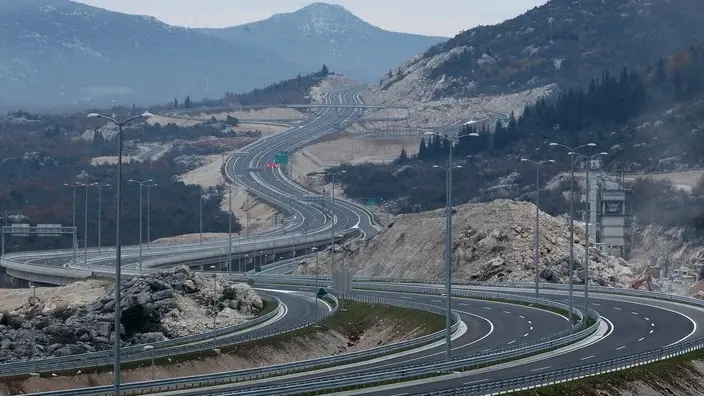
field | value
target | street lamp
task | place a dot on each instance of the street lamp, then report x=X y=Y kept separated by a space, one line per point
x=571 y=153
x=200 y=216
x=100 y=213
x=229 y=232
x=315 y=249
x=448 y=238
x=537 y=218
x=118 y=242
x=587 y=217
x=332 y=219
x=141 y=183
x=215 y=309
x=149 y=213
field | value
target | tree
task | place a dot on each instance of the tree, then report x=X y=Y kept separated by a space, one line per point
x=324 y=71
x=175 y=103
x=187 y=104
x=403 y=157
x=391 y=74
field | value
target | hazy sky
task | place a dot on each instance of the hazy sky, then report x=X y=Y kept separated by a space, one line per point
x=432 y=17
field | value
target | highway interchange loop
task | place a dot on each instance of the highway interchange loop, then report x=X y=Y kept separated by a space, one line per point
x=629 y=324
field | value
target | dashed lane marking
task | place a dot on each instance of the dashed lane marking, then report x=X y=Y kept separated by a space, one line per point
x=508 y=312
x=641 y=339
x=617 y=308
x=487 y=307
x=647 y=318
x=651 y=331
x=587 y=357
x=525 y=335
x=635 y=313
x=511 y=342
x=521 y=316
x=541 y=368
x=621 y=347
x=464 y=305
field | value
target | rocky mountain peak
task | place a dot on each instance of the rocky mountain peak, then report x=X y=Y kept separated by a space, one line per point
x=322 y=19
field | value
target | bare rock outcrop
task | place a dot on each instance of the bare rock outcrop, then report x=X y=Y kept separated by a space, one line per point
x=156 y=307
x=491 y=242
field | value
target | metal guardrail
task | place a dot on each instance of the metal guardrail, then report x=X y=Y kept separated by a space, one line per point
x=556 y=376
x=409 y=372
x=138 y=388
x=134 y=353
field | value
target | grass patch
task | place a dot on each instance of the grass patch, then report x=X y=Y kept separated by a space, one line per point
x=665 y=375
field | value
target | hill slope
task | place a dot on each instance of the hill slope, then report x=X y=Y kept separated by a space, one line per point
x=61 y=51
x=564 y=42
x=329 y=34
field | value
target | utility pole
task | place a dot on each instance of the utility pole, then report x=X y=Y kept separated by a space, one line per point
x=85 y=229
x=100 y=214
x=200 y=212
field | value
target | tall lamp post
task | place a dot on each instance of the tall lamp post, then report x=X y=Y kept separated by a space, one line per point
x=141 y=184
x=587 y=217
x=118 y=242
x=448 y=239
x=73 y=225
x=229 y=232
x=149 y=212
x=537 y=218
x=332 y=219
x=85 y=227
x=315 y=249
x=571 y=152
x=200 y=216
x=100 y=214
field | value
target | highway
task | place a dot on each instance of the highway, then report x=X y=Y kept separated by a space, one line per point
x=246 y=167
x=628 y=324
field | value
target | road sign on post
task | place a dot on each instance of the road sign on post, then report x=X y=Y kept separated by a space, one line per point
x=281 y=158
x=48 y=230
x=20 y=230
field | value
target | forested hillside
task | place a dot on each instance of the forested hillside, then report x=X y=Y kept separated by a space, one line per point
x=646 y=119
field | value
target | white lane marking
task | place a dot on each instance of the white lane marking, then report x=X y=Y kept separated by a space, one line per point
x=531 y=327
x=647 y=318
x=596 y=304
x=651 y=331
x=617 y=308
x=464 y=305
x=511 y=342
x=635 y=313
x=621 y=347
x=436 y=301
x=508 y=312
x=530 y=322
x=521 y=316
x=641 y=339
x=489 y=308
x=525 y=335
x=588 y=357
x=652 y=324
x=541 y=368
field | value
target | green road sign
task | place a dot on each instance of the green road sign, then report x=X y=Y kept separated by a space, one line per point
x=281 y=158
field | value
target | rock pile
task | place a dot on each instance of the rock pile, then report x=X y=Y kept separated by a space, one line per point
x=491 y=242
x=156 y=307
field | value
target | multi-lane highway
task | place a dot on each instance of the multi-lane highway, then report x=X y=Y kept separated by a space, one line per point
x=310 y=221
x=628 y=324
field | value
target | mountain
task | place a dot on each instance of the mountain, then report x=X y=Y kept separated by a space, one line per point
x=564 y=41
x=329 y=34
x=59 y=51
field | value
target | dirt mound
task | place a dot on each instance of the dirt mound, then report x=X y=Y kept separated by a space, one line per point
x=491 y=242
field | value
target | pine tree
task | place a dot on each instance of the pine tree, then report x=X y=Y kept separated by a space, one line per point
x=422 y=150
x=403 y=157
x=324 y=71
x=175 y=103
